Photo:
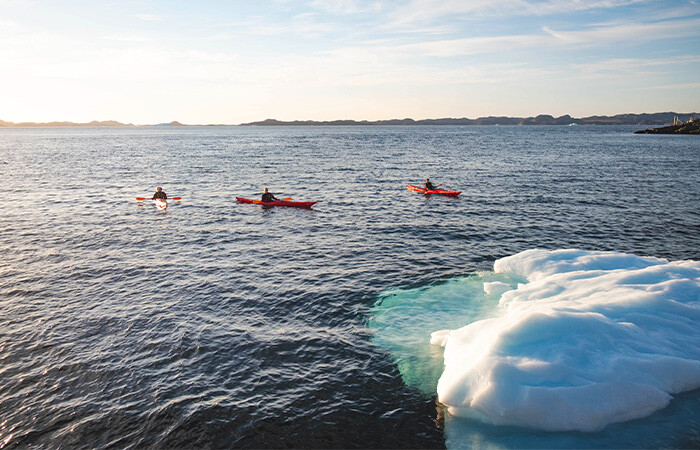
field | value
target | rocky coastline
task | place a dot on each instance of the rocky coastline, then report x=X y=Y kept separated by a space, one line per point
x=689 y=127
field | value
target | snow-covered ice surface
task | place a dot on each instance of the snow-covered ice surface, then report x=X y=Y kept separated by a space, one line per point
x=556 y=341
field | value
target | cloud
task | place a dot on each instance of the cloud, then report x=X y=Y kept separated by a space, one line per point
x=126 y=38
x=467 y=46
x=8 y=25
x=427 y=11
x=591 y=37
x=667 y=87
x=630 y=70
x=571 y=6
x=609 y=65
x=304 y=25
x=347 y=7
x=628 y=32
x=692 y=9
x=424 y=11
x=148 y=17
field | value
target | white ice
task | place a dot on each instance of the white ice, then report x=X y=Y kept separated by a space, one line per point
x=592 y=338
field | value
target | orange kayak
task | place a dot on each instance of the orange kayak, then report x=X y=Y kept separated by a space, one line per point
x=410 y=187
x=277 y=203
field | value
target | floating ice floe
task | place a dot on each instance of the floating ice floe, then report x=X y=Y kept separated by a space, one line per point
x=592 y=338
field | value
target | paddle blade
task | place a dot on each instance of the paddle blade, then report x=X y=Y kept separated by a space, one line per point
x=140 y=198
x=289 y=199
x=177 y=198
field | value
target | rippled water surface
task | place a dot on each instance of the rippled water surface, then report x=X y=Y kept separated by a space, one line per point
x=219 y=324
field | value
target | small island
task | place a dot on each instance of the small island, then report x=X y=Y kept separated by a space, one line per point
x=690 y=127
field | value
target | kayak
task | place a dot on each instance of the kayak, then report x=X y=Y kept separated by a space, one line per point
x=160 y=203
x=432 y=191
x=277 y=203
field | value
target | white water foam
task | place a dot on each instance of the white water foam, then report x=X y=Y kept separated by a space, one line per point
x=592 y=338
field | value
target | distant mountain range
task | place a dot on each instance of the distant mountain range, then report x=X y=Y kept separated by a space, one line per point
x=620 y=119
x=94 y=123
x=663 y=118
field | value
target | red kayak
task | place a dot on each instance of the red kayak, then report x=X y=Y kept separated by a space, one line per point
x=277 y=203
x=410 y=187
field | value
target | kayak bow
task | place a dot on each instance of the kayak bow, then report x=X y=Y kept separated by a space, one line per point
x=410 y=187
x=277 y=203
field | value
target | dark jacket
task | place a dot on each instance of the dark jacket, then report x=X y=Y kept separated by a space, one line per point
x=160 y=194
x=267 y=198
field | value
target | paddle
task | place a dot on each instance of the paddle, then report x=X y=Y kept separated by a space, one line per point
x=144 y=198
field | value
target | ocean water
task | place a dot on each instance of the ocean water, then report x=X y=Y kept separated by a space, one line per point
x=217 y=324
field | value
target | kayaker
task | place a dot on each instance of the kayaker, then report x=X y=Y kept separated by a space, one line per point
x=428 y=186
x=267 y=197
x=159 y=194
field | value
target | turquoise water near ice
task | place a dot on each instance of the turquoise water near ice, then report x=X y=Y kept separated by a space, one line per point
x=403 y=320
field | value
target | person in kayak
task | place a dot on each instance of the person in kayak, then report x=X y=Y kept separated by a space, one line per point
x=267 y=197
x=428 y=186
x=159 y=194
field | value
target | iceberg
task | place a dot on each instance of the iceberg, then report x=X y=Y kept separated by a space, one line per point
x=578 y=340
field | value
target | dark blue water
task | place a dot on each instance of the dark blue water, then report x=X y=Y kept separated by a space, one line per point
x=216 y=324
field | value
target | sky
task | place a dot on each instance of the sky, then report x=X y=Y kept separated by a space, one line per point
x=238 y=61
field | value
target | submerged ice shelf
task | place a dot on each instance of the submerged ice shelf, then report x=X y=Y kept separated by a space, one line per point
x=564 y=340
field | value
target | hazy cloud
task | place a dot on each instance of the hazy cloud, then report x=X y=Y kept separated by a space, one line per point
x=628 y=31
x=8 y=25
x=301 y=25
x=126 y=38
x=423 y=11
x=608 y=65
x=148 y=17
x=683 y=86
x=347 y=7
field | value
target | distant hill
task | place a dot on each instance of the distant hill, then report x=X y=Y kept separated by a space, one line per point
x=620 y=119
x=94 y=123
x=690 y=127
x=174 y=123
